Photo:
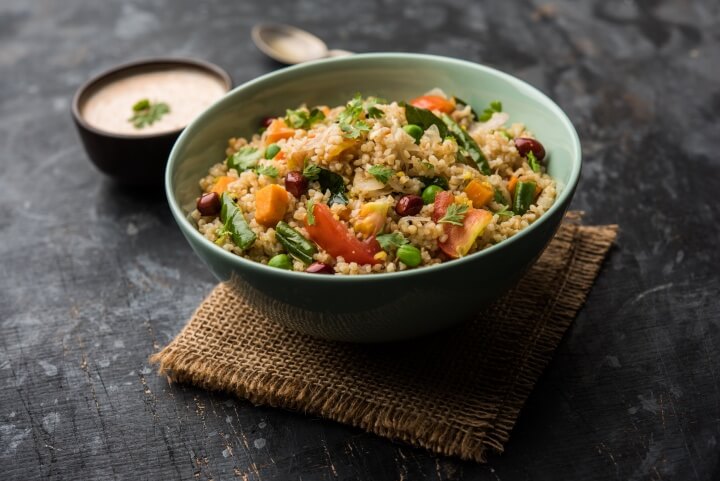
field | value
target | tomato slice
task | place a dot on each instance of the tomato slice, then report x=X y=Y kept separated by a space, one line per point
x=443 y=200
x=434 y=102
x=337 y=240
x=461 y=237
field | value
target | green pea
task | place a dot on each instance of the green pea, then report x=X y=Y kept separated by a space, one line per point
x=271 y=151
x=414 y=131
x=409 y=255
x=281 y=261
x=428 y=195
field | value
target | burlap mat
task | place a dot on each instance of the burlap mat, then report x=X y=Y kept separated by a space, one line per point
x=457 y=393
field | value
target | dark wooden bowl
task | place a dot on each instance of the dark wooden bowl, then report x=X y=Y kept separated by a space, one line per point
x=133 y=159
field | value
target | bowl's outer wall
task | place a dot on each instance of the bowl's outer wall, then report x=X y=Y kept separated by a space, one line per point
x=131 y=161
x=379 y=307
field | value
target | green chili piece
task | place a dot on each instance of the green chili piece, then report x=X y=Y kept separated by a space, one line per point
x=466 y=143
x=281 y=261
x=235 y=223
x=524 y=196
x=295 y=243
x=271 y=151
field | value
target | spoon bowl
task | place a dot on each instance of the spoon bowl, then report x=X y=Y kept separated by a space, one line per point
x=291 y=45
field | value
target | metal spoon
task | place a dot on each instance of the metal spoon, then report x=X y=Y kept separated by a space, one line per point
x=291 y=45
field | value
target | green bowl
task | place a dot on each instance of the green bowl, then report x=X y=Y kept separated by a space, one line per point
x=373 y=307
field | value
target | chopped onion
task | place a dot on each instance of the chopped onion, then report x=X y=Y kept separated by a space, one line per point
x=438 y=92
x=367 y=183
x=497 y=120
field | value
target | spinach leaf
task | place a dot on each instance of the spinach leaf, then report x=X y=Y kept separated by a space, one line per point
x=335 y=184
x=472 y=110
x=467 y=145
x=424 y=118
x=235 y=223
x=439 y=181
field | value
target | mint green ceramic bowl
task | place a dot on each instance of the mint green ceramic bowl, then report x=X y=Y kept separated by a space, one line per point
x=376 y=307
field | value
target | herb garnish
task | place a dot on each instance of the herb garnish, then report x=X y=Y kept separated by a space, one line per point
x=147 y=113
x=310 y=213
x=381 y=173
x=495 y=106
x=302 y=118
x=267 y=170
x=354 y=130
x=505 y=212
x=244 y=159
x=532 y=160
x=393 y=240
x=454 y=215
x=350 y=119
x=371 y=109
x=499 y=197
x=311 y=171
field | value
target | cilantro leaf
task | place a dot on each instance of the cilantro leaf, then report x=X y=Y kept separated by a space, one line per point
x=495 y=106
x=505 y=212
x=532 y=160
x=302 y=118
x=381 y=173
x=310 y=213
x=390 y=241
x=454 y=215
x=147 y=113
x=244 y=159
x=267 y=170
x=354 y=130
x=311 y=171
x=371 y=109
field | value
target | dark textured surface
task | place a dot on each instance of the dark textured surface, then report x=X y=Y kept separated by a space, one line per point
x=95 y=278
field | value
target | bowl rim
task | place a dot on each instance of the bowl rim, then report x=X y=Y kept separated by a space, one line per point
x=216 y=70
x=234 y=259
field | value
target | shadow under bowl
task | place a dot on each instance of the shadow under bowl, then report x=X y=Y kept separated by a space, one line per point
x=133 y=159
x=373 y=307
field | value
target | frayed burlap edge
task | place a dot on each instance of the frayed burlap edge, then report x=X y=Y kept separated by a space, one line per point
x=590 y=246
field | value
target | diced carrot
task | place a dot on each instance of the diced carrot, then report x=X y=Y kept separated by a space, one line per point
x=325 y=110
x=277 y=130
x=280 y=155
x=271 y=203
x=221 y=184
x=511 y=184
x=479 y=193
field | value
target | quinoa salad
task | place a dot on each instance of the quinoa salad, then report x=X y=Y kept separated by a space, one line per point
x=374 y=186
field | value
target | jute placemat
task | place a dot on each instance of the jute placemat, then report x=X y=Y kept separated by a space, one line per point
x=456 y=393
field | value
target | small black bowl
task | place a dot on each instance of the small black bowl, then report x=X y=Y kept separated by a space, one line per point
x=128 y=158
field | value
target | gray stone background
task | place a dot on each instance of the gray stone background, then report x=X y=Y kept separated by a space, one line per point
x=95 y=277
